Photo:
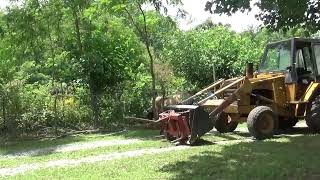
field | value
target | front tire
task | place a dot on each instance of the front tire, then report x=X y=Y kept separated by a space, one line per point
x=261 y=122
x=224 y=123
x=313 y=115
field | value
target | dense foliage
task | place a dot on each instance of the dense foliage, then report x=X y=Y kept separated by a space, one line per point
x=83 y=64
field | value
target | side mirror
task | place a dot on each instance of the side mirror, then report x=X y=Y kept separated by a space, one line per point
x=291 y=76
x=289 y=69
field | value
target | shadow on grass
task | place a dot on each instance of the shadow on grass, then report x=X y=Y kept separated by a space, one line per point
x=245 y=134
x=202 y=142
x=295 y=130
x=230 y=136
x=291 y=158
x=141 y=134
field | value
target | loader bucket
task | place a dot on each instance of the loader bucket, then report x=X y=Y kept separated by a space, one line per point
x=197 y=120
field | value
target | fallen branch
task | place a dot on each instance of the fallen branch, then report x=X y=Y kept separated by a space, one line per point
x=82 y=132
x=141 y=119
x=71 y=133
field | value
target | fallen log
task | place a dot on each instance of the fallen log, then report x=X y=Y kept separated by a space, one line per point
x=141 y=119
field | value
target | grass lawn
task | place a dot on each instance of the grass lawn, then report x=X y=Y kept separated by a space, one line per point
x=24 y=145
x=147 y=140
x=279 y=158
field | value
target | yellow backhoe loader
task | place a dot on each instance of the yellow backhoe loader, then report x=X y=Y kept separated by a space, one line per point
x=284 y=89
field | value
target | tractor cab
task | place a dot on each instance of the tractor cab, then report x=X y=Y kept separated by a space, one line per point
x=297 y=58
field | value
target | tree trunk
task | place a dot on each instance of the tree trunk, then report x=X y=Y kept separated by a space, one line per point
x=95 y=107
x=9 y=121
x=163 y=90
x=78 y=33
x=153 y=85
x=153 y=77
x=55 y=114
x=145 y=35
x=4 y=116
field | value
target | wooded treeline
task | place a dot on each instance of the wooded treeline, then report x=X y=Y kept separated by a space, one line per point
x=81 y=64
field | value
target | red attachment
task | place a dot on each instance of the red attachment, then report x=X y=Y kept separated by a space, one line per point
x=175 y=125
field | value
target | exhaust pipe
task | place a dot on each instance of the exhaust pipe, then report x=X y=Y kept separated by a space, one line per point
x=249 y=70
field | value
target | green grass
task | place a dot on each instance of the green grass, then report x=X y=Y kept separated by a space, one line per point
x=148 y=141
x=147 y=137
x=279 y=158
x=4 y=163
x=242 y=125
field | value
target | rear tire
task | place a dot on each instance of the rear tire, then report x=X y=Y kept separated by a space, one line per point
x=261 y=122
x=313 y=115
x=224 y=123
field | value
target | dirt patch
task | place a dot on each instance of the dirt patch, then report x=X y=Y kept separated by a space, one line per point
x=71 y=147
x=90 y=159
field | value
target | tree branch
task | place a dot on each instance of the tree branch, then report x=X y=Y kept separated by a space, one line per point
x=134 y=23
x=144 y=24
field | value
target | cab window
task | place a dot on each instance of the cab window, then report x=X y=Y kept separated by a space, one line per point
x=277 y=58
x=317 y=56
x=300 y=59
x=307 y=57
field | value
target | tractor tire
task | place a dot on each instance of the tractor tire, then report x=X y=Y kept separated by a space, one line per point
x=224 y=123
x=313 y=115
x=261 y=122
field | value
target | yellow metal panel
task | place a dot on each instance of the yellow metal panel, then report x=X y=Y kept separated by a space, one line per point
x=232 y=109
x=244 y=89
x=262 y=77
x=213 y=102
x=244 y=93
x=246 y=109
x=266 y=83
x=291 y=92
x=279 y=92
x=310 y=91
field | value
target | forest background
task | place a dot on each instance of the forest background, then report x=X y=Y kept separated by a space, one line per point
x=81 y=64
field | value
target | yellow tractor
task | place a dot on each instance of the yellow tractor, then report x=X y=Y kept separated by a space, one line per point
x=284 y=89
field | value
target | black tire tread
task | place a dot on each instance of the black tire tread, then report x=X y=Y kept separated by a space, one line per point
x=221 y=125
x=313 y=115
x=253 y=117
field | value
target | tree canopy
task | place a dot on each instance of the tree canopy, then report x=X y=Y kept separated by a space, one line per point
x=275 y=14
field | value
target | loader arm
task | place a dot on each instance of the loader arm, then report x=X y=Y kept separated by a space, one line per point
x=244 y=89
